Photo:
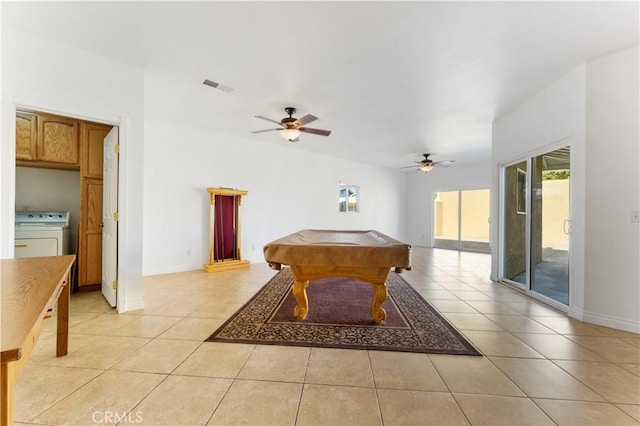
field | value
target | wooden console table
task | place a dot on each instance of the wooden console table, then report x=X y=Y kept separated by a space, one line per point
x=31 y=287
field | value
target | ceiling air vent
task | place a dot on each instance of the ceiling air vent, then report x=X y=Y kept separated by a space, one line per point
x=217 y=85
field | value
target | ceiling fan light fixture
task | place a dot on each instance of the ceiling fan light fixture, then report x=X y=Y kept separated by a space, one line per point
x=290 y=134
x=426 y=168
x=290 y=127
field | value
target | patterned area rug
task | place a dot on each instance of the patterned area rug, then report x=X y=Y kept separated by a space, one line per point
x=340 y=317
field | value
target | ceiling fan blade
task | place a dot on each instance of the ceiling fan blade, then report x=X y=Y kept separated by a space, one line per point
x=315 y=131
x=409 y=167
x=268 y=119
x=267 y=130
x=306 y=119
x=444 y=163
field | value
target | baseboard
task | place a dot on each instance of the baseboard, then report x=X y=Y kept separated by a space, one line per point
x=173 y=269
x=605 y=320
x=226 y=265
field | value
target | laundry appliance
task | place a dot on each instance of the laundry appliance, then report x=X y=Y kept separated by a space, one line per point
x=41 y=233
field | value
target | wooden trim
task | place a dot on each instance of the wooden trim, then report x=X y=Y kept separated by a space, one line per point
x=226 y=265
x=90 y=287
x=226 y=191
x=47 y=165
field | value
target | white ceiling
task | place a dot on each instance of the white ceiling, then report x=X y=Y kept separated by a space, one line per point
x=392 y=80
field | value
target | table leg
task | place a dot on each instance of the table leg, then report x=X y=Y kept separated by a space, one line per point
x=380 y=294
x=7 y=386
x=62 y=326
x=300 y=293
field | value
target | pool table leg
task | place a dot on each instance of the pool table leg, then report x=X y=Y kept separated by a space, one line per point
x=300 y=293
x=380 y=294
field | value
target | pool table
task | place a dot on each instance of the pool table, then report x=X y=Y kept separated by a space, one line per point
x=362 y=255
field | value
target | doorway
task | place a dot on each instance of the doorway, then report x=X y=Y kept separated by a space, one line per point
x=537 y=225
x=50 y=147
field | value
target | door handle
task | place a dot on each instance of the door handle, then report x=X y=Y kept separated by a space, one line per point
x=21 y=245
x=101 y=225
x=566 y=226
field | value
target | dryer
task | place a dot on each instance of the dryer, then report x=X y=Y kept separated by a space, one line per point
x=41 y=234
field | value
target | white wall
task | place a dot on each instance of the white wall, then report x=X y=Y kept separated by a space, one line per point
x=594 y=109
x=612 y=256
x=50 y=190
x=288 y=189
x=47 y=76
x=421 y=187
x=554 y=116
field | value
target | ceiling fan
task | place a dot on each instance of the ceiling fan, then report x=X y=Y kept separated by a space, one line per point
x=290 y=127
x=427 y=165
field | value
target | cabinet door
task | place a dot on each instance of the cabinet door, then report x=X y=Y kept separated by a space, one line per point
x=90 y=250
x=58 y=139
x=26 y=136
x=91 y=148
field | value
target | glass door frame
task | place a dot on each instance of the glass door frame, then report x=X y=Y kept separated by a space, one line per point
x=526 y=286
x=529 y=158
x=459 y=242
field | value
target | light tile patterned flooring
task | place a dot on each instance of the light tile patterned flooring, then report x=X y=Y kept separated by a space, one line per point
x=151 y=367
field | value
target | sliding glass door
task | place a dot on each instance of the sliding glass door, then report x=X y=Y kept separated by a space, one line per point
x=536 y=224
x=551 y=225
x=461 y=220
x=446 y=219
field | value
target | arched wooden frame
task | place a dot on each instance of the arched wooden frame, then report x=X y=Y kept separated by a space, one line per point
x=224 y=221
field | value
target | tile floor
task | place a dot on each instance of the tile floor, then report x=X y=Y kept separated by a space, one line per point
x=152 y=367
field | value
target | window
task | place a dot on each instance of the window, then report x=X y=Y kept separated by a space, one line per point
x=348 y=198
x=522 y=192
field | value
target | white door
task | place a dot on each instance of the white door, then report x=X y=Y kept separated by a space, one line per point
x=110 y=217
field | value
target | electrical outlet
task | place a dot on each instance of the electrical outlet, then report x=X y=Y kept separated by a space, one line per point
x=635 y=217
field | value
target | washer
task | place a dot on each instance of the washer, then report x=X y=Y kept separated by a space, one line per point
x=41 y=234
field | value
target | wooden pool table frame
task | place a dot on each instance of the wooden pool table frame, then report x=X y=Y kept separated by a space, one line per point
x=375 y=275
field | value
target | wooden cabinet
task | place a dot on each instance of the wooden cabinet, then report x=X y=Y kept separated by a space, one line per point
x=26 y=136
x=58 y=139
x=46 y=140
x=91 y=148
x=90 y=234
